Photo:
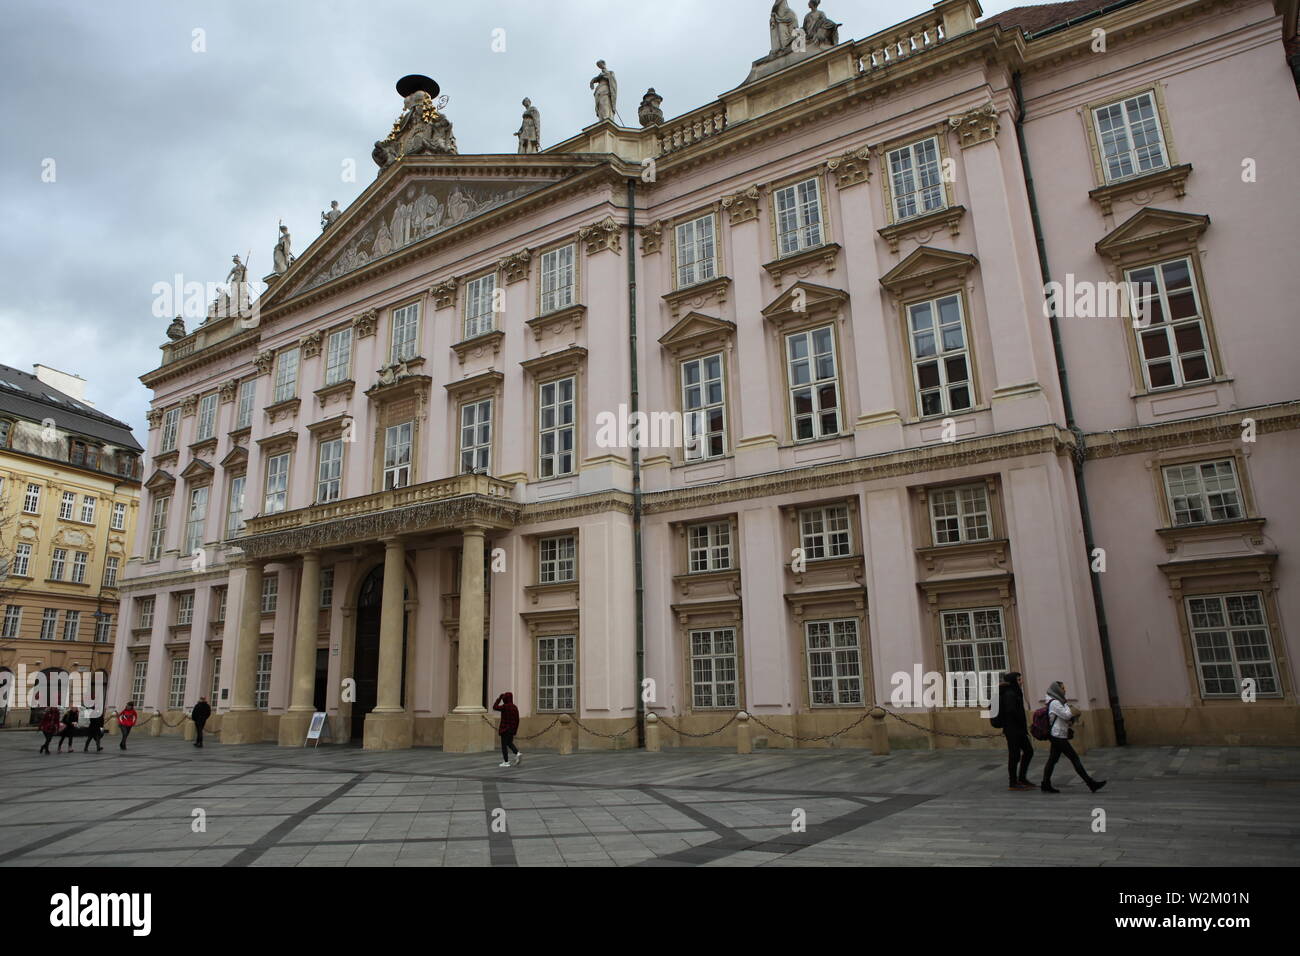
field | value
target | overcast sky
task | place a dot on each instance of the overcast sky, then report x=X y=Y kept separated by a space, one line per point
x=169 y=159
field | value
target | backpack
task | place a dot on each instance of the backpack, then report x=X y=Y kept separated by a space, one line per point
x=1041 y=725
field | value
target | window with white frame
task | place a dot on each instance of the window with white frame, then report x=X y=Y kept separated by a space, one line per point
x=144 y=612
x=329 y=471
x=138 y=675
x=58 y=559
x=824 y=532
x=185 y=608
x=338 y=357
x=940 y=356
x=1173 y=342
x=22 y=559
x=235 y=506
x=476 y=436
x=1230 y=634
x=556 y=559
x=67 y=506
x=556 y=667
x=974 y=642
x=478 y=305
x=397 y=455
x=32 y=499
x=13 y=621
x=196 y=522
x=1203 y=492
x=207 y=427
x=216 y=680
x=104 y=628
x=916 y=180
x=171 y=427
x=708 y=546
x=118 y=521
x=286 y=375
x=556 y=418
x=276 y=498
x=176 y=689
x=798 y=217
x=111 y=565
x=834 y=663
x=79 y=559
x=406 y=333
x=71 y=625
x=697 y=251
x=49 y=623
x=959 y=514
x=158 y=526
x=88 y=509
x=326 y=587
x=1130 y=138
x=247 y=398
x=704 y=408
x=263 y=691
x=558 y=279
x=270 y=593
x=713 y=668
x=813 y=379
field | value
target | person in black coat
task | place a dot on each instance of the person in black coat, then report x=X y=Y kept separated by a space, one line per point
x=200 y=715
x=1015 y=727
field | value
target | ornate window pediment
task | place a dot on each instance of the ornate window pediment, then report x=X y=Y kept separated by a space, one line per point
x=697 y=331
x=927 y=269
x=1151 y=233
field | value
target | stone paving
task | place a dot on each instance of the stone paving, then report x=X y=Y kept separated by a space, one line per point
x=341 y=806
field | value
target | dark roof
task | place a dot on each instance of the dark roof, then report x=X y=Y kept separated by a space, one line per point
x=1040 y=16
x=25 y=396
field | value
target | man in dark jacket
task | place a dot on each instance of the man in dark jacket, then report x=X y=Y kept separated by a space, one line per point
x=200 y=716
x=508 y=727
x=1015 y=727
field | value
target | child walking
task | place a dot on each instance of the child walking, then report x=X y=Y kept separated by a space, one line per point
x=508 y=728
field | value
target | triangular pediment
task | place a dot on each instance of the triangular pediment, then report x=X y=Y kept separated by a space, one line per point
x=696 y=327
x=804 y=297
x=160 y=481
x=927 y=266
x=197 y=470
x=237 y=457
x=1152 y=229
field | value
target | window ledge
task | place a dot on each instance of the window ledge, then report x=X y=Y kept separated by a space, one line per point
x=931 y=222
x=1175 y=177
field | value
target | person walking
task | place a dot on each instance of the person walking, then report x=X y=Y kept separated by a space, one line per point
x=1015 y=727
x=508 y=727
x=200 y=715
x=49 y=727
x=1061 y=718
x=126 y=719
x=95 y=730
x=70 y=718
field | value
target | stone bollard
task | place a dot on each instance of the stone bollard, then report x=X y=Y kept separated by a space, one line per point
x=566 y=735
x=744 y=743
x=879 y=733
x=652 y=734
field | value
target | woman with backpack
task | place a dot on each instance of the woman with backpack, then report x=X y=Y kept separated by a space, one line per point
x=49 y=727
x=1060 y=717
x=126 y=719
x=70 y=719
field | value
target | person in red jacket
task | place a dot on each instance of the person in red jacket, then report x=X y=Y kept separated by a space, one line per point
x=126 y=720
x=508 y=727
x=49 y=727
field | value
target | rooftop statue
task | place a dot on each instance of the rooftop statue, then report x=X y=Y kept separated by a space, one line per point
x=530 y=131
x=421 y=130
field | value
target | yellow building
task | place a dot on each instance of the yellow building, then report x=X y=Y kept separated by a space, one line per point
x=69 y=492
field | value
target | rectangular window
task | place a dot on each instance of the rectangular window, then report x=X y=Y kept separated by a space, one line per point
x=397 y=455
x=207 y=417
x=814 y=384
x=158 y=527
x=49 y=623
x=974 y=642
x=270 y=593
x=111 y=565
x=263 y=692
x=185 y=608
x=703 y=408
x=67 y=505
x=940 y=356
x=915 y=180
x=558 y=279
x=235 y=507
x=247 y=396
x=327 y=587
x=216 y=681
x=709 y=546
x=32 y=500
x=138 y=675
x=329 y=471
x=476 y=436
x=104 y=629
x=22 y=559
x=171 y=427
x=71 y=625
x=696 y=252
x=87 y=509
x=1203 y=492
x=13 y=621
x=119 y=516
x=338 y=357
x=556 y=666
x=478 y=305
x=798 y=217
x=286 y=375
x=176 y=690
x=58 y=559
x=557 y=559
x=1173 y=343
x=834 y=663
x=1128 y=132
x=824 y=532
x=960 y=514
x=277 y=484
x=144 y=612
x=197 y=520
x=406 y=332
x=713 y=668
x=79 y=559
x=555 y=412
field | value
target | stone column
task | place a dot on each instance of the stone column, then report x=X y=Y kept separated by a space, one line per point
x=388 y=726
x=294 y=723
x=465 y=730
x=242 y=724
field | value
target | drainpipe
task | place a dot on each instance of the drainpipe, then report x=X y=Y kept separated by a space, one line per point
x=1089 y=542
x=636 y=464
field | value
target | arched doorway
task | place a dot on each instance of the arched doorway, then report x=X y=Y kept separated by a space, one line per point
x=365 y=661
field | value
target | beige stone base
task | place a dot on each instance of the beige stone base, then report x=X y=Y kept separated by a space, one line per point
x=388 y=732
x=292 y=731
x=467 y=734
x=241 y=727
